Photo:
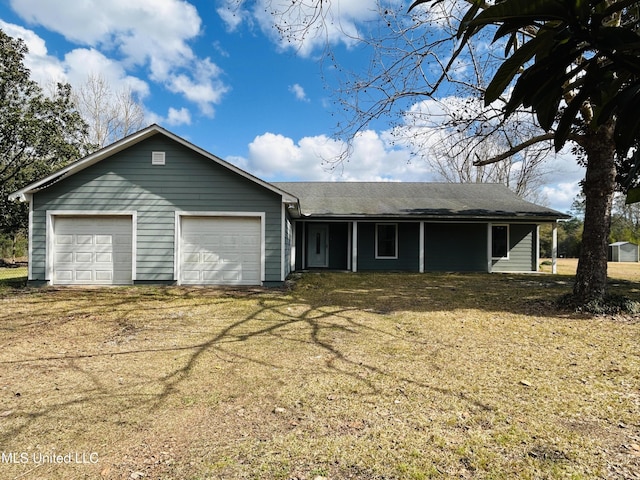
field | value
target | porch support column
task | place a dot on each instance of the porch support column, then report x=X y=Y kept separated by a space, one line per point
x=489 y=250
x=536 y=266
x=304 y=246
x=554 y=248
x=421 y=247
x=354 y=246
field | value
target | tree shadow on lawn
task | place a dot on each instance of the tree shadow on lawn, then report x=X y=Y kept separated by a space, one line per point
x=322 y=317
x=83 y=376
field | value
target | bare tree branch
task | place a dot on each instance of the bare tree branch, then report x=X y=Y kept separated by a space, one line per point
x=516 y=149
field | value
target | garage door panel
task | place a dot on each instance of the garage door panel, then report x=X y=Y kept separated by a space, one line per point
x=220 y=250
x=92 y=251
x=83 y=275
x=64 y=275
x=191 y=258
x=103 y=239
x=209 y=257
x=104 y=275
x=64 y=239
x=84 y=257
x=104 y=257
x=84 y=240
x=63 y=257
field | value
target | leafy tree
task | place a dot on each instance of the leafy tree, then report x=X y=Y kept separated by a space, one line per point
x=570 y=237
x=625 y=221
x=38 y=133
x=574 y=63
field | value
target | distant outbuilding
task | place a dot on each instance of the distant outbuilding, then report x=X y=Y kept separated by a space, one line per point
x=623 y=252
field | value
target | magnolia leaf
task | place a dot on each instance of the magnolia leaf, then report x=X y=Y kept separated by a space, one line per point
x=509 y=69
x=567 y=119
x=509 y=10
x=633 y=196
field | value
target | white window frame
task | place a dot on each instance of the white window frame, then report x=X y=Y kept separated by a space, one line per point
x=506 y=256
x=384 y=257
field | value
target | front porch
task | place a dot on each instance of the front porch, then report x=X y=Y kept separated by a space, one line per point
x=416 y=246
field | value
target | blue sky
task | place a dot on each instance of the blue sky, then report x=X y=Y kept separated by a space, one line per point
x=217 y=73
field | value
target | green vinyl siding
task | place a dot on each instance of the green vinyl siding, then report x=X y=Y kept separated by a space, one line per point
x=455 y=247
x=522 y=250
x=188 y=182
x=408 y=248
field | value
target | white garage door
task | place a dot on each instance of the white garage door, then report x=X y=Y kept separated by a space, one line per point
x=92 y=250
x=220 y=251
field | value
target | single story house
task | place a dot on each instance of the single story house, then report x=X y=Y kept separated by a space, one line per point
x=154 y=208
x=623 y=252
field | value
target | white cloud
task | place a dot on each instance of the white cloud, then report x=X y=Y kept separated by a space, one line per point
x=150 y=34
x=82 y=62
x=76 y=66
x=277 y=158
x=561 y=195
x=233 y=15
x=298 y=92
x=202 y=87
x=178 y=117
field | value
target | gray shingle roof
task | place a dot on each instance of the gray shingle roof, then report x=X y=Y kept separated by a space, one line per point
x=393 y=199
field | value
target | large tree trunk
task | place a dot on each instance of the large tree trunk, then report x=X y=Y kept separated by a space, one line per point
x=598 y=188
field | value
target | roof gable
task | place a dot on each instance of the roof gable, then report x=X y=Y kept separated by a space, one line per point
x=128 y=142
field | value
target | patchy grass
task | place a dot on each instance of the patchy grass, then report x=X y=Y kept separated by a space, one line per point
x=14 y=277
x=13 y=273
x=364 y=376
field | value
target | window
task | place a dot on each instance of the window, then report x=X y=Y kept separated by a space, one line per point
x=386 y=240
x=500 y=241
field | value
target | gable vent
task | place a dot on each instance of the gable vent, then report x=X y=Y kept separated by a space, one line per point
x=157 y=158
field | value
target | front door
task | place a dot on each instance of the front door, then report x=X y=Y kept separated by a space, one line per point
x=318 y=245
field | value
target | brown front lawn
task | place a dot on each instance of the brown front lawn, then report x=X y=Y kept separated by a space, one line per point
x=363 y=376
